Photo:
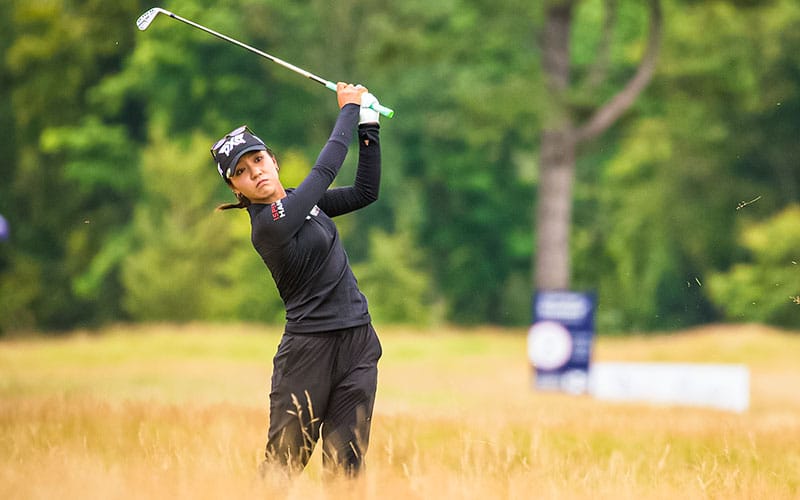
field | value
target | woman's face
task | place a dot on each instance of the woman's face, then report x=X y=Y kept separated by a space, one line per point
x=256 y=177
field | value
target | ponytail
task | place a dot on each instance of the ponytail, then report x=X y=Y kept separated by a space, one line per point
x=243 y=203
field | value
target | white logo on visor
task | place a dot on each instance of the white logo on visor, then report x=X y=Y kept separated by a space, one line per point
x=231 y=143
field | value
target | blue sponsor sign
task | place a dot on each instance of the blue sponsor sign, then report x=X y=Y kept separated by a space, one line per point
x=560 y=340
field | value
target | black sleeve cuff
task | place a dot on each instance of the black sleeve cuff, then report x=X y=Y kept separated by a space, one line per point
x=369 y=132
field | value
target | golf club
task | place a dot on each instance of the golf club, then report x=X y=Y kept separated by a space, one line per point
x=147 y=18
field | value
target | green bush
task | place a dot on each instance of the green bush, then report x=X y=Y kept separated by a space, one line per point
x=20 y=287
x=766 y=287
x=397 y=287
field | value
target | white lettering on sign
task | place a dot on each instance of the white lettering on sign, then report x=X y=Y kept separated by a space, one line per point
x=563 y=306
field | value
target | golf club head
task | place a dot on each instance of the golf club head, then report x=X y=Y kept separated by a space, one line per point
x=145 y=19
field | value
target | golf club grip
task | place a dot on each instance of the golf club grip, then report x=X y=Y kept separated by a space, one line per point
x=387 y=112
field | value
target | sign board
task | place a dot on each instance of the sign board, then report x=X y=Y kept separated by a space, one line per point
x=722 y=386
x=560 y=340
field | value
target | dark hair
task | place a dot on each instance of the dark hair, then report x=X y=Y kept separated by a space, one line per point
x=244 y=202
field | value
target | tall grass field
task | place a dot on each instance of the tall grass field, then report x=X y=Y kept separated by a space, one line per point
x=165 y=411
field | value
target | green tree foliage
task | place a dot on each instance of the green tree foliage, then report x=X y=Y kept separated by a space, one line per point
x=697 y=146
x=55 y=52
x=395 y=262
x=109 y=188
x=20 y=286
x=765 y=287
x=99 y=163
x=460 y=76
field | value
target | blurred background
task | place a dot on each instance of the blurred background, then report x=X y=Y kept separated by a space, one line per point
x=685 y=203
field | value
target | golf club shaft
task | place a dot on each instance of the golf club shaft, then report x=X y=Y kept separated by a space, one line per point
x=330 y=85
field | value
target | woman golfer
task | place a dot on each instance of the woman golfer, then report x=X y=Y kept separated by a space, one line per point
x=325 y=370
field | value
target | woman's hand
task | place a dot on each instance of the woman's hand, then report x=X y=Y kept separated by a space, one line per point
x=347 y=93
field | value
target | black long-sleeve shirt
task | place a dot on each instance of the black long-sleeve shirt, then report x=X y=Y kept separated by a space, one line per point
x=300 y=244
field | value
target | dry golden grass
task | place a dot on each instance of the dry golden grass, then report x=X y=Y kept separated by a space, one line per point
x=180 y=412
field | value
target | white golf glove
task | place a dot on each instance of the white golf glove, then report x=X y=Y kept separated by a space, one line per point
x=367 y=114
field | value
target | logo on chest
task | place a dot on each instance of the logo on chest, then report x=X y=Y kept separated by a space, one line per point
x=278 y=212
x=313 y=213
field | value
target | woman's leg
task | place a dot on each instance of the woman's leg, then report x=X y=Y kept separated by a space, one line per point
x=298 y=398
x=346 y=428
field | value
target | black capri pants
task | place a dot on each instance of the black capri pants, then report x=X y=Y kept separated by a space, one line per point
x=323 y=383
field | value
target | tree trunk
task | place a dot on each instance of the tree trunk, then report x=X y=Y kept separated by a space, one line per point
x=554 y=211
x=561 y=138
x=557 y=158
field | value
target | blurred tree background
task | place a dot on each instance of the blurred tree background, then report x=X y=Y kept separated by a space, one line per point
x=683 y=211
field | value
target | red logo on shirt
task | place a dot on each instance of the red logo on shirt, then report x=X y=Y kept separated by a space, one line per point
x=278 y=211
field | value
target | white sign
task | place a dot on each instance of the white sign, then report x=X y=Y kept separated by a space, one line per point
x=726 y=387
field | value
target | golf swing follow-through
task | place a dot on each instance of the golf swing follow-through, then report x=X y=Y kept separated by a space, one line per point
x=325 y=370
x=147 y=18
